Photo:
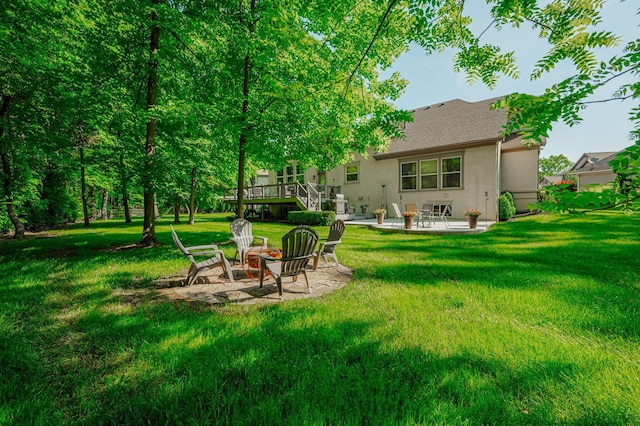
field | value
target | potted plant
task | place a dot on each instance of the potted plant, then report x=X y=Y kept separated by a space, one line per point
x=472 y=216
x=380 y=214
x=408 y=219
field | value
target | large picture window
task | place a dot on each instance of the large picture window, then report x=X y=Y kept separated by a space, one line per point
x=352 y=173
x=431 y=173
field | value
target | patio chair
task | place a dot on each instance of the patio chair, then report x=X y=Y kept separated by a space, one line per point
x=428 y=213
x=443 y=212
x=327 y=248
x=297 y=250
x=242 y=235
x=396 y=210
x=216 y=258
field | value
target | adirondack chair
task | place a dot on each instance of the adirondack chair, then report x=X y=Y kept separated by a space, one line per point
x=215 y=258
x=327 y=248
x=242 y=235
x=297 y=250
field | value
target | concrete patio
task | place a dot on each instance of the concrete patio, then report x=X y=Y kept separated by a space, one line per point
x=456 y=225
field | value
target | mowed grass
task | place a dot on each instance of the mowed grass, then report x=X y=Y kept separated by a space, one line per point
x=535 y=322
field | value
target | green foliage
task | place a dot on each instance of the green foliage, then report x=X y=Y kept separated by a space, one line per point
x=624 y=193
x=53 y=206
x=554 y=165
x=320 y=218
x=5 y=223
x=506 y=206
x=215 y=204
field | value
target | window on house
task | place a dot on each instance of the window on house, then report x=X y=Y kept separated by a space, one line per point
x=429 y=174
x=452 y=172
x=408 y=175
x=289 y=174
x=352 y=172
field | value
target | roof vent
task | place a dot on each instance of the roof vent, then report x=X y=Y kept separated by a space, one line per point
x=427 y=108
x=442 y=104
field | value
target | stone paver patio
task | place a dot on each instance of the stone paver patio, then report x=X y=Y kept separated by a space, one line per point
x=212 y=288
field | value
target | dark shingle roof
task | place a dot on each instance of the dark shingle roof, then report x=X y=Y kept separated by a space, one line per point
x=452 y=124
x=593 y=161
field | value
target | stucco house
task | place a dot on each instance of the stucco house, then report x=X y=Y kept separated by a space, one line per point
x=593 y=168
x=452 y=152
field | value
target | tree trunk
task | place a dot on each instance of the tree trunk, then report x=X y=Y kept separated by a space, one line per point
x=83 y=188
x=176 y=210
x=245 y=111
x=91 y=202
x=8 y=173
x=148 y=228
x=125 y=192
x=192 y=197
x=105 y=203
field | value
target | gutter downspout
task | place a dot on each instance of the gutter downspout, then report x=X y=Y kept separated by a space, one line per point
x=496 y=204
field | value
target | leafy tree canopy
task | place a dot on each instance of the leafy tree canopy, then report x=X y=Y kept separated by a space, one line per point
x=554 y=165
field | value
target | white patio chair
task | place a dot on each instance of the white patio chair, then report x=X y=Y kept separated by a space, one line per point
x=443 y=212
x=216 y=258
x=242 y=235
x=399 y=218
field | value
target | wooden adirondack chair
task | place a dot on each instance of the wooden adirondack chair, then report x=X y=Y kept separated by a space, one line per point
x=297 y=250
x=216 y=258
x=327 y=248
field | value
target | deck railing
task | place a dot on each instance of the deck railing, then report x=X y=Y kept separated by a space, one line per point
x=308 y=196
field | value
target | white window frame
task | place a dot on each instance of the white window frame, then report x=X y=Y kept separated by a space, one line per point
x=443 y=173
x=290 y=174
x=403 y=176
x=440 y=175
x=436 y=174
x=346 y=173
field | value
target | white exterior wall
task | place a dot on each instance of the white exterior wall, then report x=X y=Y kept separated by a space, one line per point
x=480 y=166
x=519 y=175
x=479 y=175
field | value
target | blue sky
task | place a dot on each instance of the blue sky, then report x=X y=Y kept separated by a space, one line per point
x=605 y=126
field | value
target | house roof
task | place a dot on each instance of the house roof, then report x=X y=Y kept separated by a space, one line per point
x=550 y=180
x=455 y=124
x=594 y=161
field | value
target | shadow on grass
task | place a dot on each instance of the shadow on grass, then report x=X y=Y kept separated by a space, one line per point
x=73 y=353
x=167 y=365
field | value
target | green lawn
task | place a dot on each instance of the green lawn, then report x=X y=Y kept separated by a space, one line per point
x=535 y=322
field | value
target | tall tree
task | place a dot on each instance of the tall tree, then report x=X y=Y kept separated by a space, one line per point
x=553 y=165
x=148 y=229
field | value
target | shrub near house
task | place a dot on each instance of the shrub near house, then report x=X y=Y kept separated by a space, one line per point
x=506 y=206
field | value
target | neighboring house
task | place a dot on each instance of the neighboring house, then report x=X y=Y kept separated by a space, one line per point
x=452 y=152
x=551 y=180
x=593 y=168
